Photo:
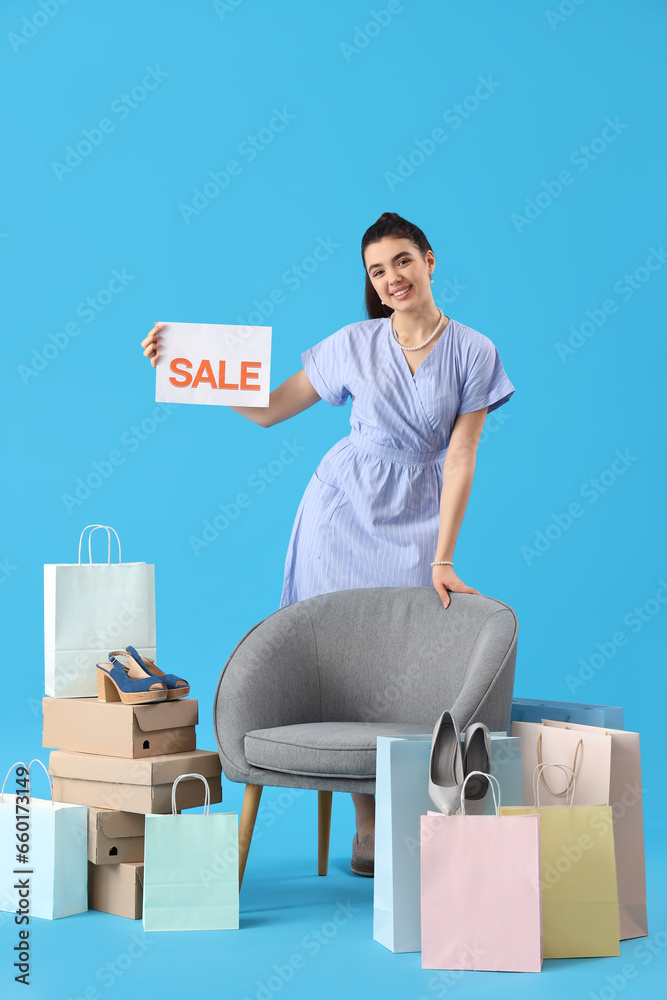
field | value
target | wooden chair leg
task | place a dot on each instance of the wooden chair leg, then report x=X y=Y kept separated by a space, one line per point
x=253 y=794
x=324 y=829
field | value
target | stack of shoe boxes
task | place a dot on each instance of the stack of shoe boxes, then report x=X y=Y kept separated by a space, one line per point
x=121 y=761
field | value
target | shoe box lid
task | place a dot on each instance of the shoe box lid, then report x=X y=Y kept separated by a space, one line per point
x=156 y=770
x=86 y=725
x=114 y=824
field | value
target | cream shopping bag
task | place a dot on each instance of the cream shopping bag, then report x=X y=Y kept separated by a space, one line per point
x=588 y=755
x=625 y=799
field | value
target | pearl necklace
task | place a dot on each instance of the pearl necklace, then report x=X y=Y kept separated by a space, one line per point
x=419 y=346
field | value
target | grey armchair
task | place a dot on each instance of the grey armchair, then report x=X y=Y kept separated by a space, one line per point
x=307 y=691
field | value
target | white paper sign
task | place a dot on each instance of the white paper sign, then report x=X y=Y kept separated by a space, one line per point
x=214 y=364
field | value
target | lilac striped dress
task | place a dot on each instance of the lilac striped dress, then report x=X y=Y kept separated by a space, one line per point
x=370 y=514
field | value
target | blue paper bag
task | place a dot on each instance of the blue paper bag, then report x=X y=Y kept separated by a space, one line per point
x=534 y=710
x=52 y=838
x=401 y=800
x=191 y=869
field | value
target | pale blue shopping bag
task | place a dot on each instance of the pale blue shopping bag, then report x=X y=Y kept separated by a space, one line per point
x=52 y=837
x=191 y=869
x=401 y=799
x=534 y=710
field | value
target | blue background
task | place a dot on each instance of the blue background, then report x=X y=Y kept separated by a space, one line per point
x=360 y=100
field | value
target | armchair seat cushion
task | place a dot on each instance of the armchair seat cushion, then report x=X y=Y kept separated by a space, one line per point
x=323 y=749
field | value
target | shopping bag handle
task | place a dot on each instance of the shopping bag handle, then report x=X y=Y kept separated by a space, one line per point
x=36 y=760
x=22 y=763
x=207 y=793
x=569 y=800
x=572 y=769
x=108 y=530
x=493 y=782
x=19 y=763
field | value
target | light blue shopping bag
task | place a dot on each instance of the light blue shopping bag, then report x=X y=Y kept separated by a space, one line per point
x=534 y=710
x=191 y=869
x=52 y=837
x=401 y=799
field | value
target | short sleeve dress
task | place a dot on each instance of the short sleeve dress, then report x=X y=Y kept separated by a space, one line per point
x=370 y=514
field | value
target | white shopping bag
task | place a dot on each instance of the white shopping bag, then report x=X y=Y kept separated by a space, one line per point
x=401 y=800
x=53 y=837
x=91 y=609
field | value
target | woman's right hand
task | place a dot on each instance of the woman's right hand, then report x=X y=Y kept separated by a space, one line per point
x=151 y=344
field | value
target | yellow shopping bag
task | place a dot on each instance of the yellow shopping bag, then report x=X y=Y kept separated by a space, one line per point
x=580 y=912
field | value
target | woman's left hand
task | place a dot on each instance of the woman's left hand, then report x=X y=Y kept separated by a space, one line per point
x=444 y=580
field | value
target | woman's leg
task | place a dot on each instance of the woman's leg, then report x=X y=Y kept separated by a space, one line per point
x=364 y=806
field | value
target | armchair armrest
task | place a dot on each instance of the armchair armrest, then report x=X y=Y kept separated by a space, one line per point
x=486 y=693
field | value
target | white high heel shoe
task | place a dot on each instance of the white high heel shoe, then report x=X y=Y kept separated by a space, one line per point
x=445 y=775
x=477 y=757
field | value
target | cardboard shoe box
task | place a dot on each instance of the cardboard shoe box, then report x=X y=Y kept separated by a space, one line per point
x=86 y=725
x=117 y=889
x=139 y=786
x=115 y=837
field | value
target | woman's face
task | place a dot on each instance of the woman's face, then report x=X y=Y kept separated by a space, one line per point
x=399 y=272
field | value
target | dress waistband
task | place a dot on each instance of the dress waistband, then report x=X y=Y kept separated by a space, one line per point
x=364 y=443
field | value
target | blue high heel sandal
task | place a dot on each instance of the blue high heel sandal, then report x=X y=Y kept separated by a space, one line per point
x=176 y=686
x=132 y=685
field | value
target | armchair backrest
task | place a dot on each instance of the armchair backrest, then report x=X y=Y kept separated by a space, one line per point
x=384 y=654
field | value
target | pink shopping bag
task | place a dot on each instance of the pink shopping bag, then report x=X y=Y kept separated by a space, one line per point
x=481 y=902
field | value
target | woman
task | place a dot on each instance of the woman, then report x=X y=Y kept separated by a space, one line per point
x=385 y=505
